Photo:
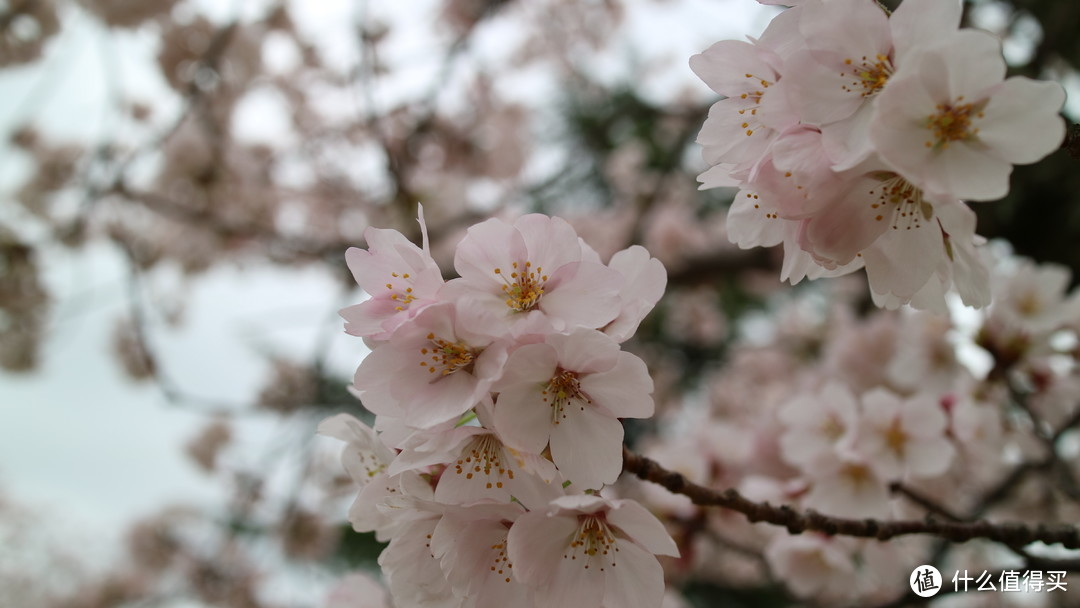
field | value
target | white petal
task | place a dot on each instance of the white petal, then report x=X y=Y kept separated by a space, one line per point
x=637 y=523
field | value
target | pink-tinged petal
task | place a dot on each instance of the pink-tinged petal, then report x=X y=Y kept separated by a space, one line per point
x=485 y=470
x=847 y=142
x=781 y=37
x=642 y=526
x=725 y=67
x=635 y=580
x=880 y=406
x=899 y=130
x=1021 y=121
x=966 y=171
x=970 y=275
x=551 y=242
x=724 y=135
x=850 y=224
x=930 y=458
x=523 y=418
x=489 y=245
x=371 y=379
x=538 y=542
x=530 y=364
x=923 y=417
x=436 y=401
x=718 y=177
x=586 y=446
x=975 y=63
x=931 y=297
x=902 y=259
x=644 y=280
x=918 y=24
x=413 y=575
x=366 y=318
x=625 y=391
x=823 y=91
x=585 y=351
x=575 y=504
x=851 y=29
x=478 y=568
x=582 y=294
x=752 y=222
x=572 y=585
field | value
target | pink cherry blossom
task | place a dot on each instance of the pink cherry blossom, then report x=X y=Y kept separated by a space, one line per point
x=471 y=545
x=904 y=437
x=533 y=274
x=435 y=368
x=590 y=551
x=568 y=393
x=479 y=467
x=853 y=49
x=412 y=571
x=813 y=564
x=367 y=461
x=846 y=483
x=644 y=279
x=950 y=123
x=400 y=277
x=818 y=424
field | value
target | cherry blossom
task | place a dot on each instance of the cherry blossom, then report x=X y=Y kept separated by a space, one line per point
x=569 y=392
x=400 y=277
x=434 y=369
x=952 y=124
x=904 y=437
x=591 y=551
x=533 y=274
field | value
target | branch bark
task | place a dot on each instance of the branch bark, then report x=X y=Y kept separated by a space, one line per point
x=1009 y=533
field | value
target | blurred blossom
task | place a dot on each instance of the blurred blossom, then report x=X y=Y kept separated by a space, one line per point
x=205 y=448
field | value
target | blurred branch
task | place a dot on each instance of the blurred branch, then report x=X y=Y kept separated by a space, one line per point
x=796 y=522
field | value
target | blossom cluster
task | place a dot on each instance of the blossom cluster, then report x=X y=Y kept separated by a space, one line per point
x=876 y=417
x=855 y=137
x=497 y=397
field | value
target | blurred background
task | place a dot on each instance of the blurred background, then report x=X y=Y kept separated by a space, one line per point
x=179 y=180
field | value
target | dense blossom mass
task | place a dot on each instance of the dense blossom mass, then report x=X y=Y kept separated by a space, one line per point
x=854 y=137
x=497 y=397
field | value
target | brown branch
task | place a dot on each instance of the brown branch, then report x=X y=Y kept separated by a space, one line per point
x=797 y=522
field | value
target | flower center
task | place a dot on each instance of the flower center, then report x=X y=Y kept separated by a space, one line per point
x=484 y=456
x=753 y=96
x=403 y=298
x=899 y=199
x=952 y=123
x=445 y=357
x=524 y=286
x=593 y=540
x=868 y=75
x=896 y=438
x=563 y=387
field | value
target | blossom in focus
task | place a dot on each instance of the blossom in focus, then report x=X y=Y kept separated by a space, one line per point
x=435 y=368
x=534 y=274
x=952 y=124
x=400 y=277
x=569 y=392
x=585 y=550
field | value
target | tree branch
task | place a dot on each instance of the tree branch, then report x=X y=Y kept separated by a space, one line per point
x=796 y=522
